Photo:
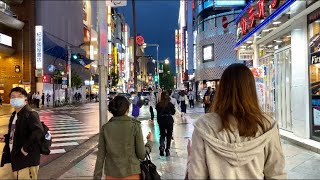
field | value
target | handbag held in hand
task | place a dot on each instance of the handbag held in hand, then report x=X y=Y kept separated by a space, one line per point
x=149 y=170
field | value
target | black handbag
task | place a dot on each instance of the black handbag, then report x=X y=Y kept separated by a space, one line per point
x=149 y=170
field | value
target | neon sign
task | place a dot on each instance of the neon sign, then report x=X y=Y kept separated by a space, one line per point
x=256 y=10
x=272 y=10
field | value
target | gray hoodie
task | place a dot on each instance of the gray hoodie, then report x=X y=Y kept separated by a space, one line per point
x=221 y=154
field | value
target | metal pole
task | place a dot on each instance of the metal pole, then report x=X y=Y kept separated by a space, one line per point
x=134 y=45
x=69 y=74
x=158 y=65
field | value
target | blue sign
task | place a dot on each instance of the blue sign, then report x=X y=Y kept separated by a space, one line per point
x=51 y=68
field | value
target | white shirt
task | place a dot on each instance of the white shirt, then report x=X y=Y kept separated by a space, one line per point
x=13 y=129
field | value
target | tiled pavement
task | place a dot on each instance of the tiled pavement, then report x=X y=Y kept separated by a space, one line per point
x=300 y=163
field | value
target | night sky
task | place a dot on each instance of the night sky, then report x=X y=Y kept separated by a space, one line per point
x=156 y=22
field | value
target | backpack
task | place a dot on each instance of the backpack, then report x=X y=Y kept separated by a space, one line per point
x=206 y=100
x=46 y=140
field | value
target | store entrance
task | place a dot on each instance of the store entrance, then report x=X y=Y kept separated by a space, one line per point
x=283 y=87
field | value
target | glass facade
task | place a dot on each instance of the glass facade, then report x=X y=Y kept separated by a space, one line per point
x=314 y=60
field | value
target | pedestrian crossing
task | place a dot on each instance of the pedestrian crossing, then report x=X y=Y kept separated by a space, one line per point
x=66 y=131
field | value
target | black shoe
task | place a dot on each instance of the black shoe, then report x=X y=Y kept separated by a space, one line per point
x=161 y=153
x=167 y=152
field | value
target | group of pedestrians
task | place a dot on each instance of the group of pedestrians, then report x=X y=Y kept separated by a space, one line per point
x=233 y=140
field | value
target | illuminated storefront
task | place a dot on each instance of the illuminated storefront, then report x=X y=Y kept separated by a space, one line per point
x=272 y=36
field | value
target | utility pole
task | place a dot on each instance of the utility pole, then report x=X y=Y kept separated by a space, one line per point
x=135 y=80
x=69 y=74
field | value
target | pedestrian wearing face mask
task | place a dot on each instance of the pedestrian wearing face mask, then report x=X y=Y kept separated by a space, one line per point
x=22 y=141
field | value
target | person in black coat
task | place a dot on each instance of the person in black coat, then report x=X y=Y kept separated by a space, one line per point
x=22 y=142
x=165 y=110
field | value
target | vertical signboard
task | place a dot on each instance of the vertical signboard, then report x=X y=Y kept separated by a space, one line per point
x=39 y=46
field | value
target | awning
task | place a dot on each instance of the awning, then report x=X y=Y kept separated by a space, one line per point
x=53 y=49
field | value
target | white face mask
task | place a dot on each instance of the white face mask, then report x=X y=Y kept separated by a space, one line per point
x=17 y=102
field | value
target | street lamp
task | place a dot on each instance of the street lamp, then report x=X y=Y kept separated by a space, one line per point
x=166 y=61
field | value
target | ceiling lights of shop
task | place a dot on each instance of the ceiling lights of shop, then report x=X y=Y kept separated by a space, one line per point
x=276 y=23
x=249 y=42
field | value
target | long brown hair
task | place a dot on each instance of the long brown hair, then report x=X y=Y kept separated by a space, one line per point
x=236 y=96
x=165 y=99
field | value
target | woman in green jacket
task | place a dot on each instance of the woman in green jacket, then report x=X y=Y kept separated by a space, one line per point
x=121 y=145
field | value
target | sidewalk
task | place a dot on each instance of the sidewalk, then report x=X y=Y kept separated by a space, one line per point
x=300 y=163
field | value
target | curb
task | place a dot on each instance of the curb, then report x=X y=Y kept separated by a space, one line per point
x=59 y=166
x=302 y=142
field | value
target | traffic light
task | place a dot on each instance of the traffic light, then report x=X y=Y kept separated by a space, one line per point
x=156 y=78
x=76 y=56
x=46 y=79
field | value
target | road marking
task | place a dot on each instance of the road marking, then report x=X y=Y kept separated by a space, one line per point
x=64 y=144
x=62 y=123
x=73 y=127
x=57 y=151
x=72 y=134
x=69 y=139
x=74 y=130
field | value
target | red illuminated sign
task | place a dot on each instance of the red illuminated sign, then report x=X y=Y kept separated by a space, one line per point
x=256 y=12
x=275 y=4
x=243 y=23
x=251 y=17
x=140 y=40
x=261 y=9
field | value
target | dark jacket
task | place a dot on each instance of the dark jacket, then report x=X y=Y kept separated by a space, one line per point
x=165 y=113
x=120 y=148
x=27 y=134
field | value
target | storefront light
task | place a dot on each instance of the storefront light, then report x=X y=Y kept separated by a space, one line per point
x=266 y=30
x=249 y=42
x=276 y=23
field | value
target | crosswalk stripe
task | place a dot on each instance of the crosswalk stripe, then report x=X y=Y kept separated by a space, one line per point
x=64 y=125
x=64 y=144
x=72 y=134
x=69 y=139
x=74 y=130
x=57 y=151
x=66 y=128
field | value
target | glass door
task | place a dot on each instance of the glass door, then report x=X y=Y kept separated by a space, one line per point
x=283 y=87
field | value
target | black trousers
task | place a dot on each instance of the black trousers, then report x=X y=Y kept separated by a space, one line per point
x=206 y=108
x=191 y=102
x=151 y=112
x=166 y=129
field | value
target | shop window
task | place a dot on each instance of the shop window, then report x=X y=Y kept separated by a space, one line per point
x=314 y=58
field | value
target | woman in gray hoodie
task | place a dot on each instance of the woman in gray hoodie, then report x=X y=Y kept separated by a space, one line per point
x=236 y=140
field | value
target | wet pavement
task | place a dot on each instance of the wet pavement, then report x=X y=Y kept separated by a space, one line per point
x=300 y=163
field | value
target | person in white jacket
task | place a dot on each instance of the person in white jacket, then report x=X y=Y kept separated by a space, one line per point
x=236 y=140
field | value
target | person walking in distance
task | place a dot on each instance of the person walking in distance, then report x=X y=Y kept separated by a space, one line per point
x=165 y=110
x=208 y=99
x=22 y=141
x=42 y=100
x=191 y=98
x=236 y=140
x=135 y=107
x=48 y=99
x=152 y=103
x=183 y=104
x=38 y=97
x=121 y=145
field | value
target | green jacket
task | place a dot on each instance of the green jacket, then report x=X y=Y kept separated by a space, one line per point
x=121 y=148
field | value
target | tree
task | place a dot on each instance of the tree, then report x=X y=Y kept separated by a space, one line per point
x=166 y=78
x=76 y=80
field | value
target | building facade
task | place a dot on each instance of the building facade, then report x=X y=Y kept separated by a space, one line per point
x=16 y=46
x=283 y=41
x=206 y=33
